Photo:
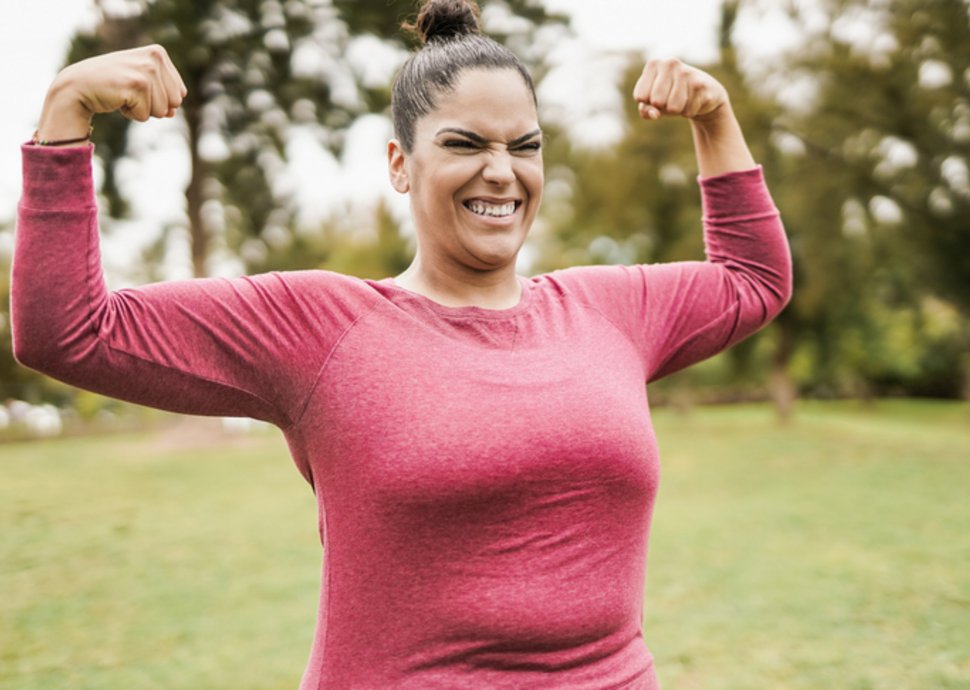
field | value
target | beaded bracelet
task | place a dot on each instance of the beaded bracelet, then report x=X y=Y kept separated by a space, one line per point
x=37 y=141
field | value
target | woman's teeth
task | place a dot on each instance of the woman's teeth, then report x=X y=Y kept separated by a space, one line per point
x=494 y=210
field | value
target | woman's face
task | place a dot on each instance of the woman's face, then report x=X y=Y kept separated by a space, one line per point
x=475 y=172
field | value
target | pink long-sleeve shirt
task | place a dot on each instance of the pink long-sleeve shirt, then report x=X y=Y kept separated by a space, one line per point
x=485 y=478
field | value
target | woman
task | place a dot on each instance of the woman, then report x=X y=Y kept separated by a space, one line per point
x=479 y=443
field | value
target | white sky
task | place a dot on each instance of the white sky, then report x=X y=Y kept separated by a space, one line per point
x=33 y=40
x=34 y=35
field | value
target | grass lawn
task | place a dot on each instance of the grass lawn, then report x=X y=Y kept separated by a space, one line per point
x=834 y=553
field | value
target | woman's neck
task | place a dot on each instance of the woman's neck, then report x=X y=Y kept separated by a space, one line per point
x=499 y=289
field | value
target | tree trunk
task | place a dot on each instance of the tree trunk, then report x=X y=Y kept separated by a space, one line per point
x=965 y=363
x=966 y=378
x=783 y=392
x=194 y=192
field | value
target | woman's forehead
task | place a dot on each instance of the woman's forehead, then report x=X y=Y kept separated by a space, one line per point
x=484 y=101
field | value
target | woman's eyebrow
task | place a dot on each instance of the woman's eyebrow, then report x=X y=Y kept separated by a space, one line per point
x=479 y=139
x=525 y=137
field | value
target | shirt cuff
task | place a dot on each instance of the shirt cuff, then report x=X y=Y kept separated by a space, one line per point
x=738 y=193
x=57 y=178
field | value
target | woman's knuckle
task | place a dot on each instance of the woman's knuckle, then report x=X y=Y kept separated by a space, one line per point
x=138 y=82
x=697 y=83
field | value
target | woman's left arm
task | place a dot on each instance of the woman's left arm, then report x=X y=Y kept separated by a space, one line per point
x=693 y=310
x=680 y=313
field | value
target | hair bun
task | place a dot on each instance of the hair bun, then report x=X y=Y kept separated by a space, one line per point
x=446 y=19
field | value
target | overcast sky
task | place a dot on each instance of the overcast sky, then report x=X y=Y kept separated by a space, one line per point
x=33 y=40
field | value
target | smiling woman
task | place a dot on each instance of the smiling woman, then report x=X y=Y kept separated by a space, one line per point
x=475 y=179
x=466 y=120
x=479 y=442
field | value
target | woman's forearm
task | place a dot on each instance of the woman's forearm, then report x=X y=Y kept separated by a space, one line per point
x=720 y=145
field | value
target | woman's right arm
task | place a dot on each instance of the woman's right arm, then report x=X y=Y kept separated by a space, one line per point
x=247 y=346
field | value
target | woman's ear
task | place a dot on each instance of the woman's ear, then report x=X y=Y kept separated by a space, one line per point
x=396 y=168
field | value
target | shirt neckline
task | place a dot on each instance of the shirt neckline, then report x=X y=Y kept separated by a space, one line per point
x=403 y=294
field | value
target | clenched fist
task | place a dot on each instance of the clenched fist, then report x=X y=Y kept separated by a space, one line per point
x=670 y=87
x=141 y=83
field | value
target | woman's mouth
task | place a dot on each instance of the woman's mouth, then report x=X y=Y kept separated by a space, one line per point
x=490 y=209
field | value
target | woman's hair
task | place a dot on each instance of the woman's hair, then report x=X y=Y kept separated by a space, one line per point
x=451 y=43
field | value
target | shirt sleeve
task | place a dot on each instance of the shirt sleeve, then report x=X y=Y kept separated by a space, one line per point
x=245 y=346
x=680 y=313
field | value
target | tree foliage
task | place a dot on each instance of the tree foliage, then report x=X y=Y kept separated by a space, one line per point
x=887 y=139
x=255 y=69
x=870 y=176
x=870 y=167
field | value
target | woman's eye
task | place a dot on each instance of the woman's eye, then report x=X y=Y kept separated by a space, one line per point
x=530 y=147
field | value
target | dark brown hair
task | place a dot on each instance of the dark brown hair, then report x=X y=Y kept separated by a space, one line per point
x=451 y=43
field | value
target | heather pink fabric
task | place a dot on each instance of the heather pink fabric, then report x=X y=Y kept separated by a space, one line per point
x=485 y=478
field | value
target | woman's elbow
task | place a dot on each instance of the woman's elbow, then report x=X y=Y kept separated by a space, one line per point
x=29 y=350
x=763 y=294
x=37 y=346
x=785 y=288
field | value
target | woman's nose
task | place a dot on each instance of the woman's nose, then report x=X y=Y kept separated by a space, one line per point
x=498 y=168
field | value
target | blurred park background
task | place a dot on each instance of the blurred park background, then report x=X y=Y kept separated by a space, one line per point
x=813 y=529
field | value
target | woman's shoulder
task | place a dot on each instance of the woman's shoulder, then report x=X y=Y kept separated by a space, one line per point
x=590 y=279
x=316 y=289
x=308 y=278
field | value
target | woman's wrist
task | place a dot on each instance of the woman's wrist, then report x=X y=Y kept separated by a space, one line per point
x=64 y=117
x=719 y=143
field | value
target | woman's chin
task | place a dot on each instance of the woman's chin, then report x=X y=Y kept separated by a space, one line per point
x=492 y=257
x=494 y=251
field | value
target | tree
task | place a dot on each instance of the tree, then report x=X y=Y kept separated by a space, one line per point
x=860 y=321
x=889 y=128
x=254 y=69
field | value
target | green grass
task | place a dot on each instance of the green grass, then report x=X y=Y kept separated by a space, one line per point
x=834 y=553
x=130 y=563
